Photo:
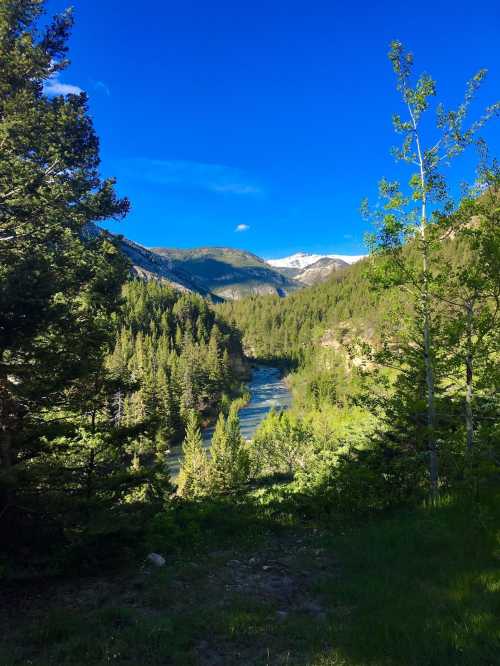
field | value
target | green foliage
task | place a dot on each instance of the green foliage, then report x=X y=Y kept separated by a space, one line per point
x=179 y=354
x=227 y=272
x=407 y=217
x=59 y=282
x=282 y=444
x=400 y=335
x=97 y=376
x=230 y=461
x=193 y=480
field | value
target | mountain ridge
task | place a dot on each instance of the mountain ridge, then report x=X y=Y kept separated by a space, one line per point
x=225 y=273
x=304 y=259
x=228 y=272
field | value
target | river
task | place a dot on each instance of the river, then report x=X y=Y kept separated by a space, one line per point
x=267 y=390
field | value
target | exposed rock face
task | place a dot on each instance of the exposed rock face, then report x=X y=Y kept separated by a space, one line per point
x=344 y=341
x=149 y=265
x=156 y=559
x=216 y=273
x=234 y=293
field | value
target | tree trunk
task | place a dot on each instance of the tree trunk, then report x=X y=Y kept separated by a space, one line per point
x=469 y=370
x=90 y=475
x=8 y=423
x=431 y=405
x=428 y=361
x=5 y=463
x=91 y=462
x=428 y=364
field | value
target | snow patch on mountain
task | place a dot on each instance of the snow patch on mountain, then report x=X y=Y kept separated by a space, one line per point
x=305 y=259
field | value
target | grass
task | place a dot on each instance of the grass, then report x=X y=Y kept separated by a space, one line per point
x=420 y=588
x=417 y=588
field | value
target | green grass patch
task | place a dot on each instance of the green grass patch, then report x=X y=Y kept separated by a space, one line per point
x=420 y=588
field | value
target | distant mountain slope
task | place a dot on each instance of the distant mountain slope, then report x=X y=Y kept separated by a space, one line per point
x=226 y=272
x=148 y=264
x=319 y=271
x=302 y=260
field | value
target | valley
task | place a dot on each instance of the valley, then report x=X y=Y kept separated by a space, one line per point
x=209 y=458
x=267 y=391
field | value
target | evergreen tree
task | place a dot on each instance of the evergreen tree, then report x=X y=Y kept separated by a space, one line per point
x=230 y=461
x=192 y=482
x=59 y=280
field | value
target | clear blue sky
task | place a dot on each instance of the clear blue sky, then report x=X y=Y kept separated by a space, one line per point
x=270 y=114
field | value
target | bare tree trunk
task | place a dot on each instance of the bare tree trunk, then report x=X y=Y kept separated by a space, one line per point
x=427 y=338
x=118 y=405
x=469 y=370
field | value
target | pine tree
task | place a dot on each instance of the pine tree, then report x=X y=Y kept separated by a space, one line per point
x=59 y=280
x=165 y=409
x=230 y=462
x=192 y=482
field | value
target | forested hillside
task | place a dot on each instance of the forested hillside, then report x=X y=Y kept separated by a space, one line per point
x=291 y=328
x=354 y=353
x=179 y=354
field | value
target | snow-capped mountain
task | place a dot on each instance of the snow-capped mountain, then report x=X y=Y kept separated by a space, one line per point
x=304 y=259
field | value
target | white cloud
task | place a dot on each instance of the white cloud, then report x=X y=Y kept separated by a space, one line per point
x=242 y=227
x=236 y=188
x=217 y=178
x=100 y=85
x=54 y=86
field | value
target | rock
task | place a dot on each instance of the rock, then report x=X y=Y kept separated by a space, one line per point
x=313 y=607
x=156 y=559
x=234 y=563
x=281 y=615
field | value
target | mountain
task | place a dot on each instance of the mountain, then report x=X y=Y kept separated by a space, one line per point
x=217 y=273
x=319 y=271
x=302 y=260
x=226 y=272
x=148 y=264
x=222 y=273
x=309 y=269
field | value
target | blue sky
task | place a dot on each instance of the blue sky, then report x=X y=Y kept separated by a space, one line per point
x=270 y=117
